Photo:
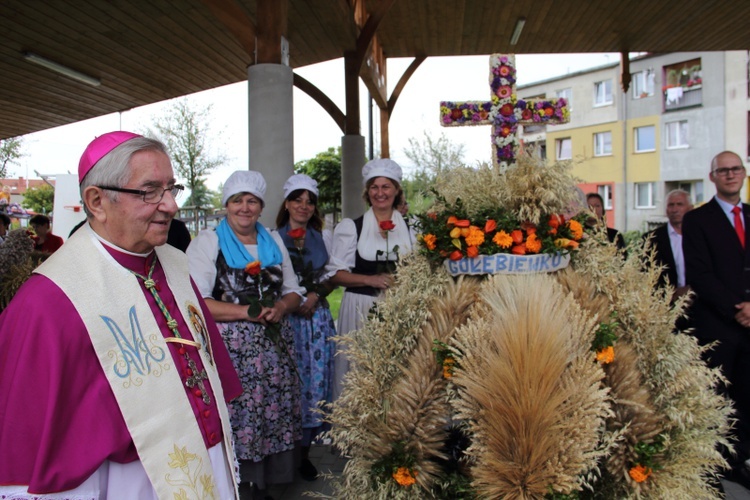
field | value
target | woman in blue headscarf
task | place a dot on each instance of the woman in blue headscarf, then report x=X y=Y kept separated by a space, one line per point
x=245 y=274
x=301 y=227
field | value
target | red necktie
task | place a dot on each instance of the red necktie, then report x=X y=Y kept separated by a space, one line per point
x=738 y=226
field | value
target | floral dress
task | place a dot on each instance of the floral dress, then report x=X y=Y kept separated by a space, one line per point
x=312 y=336
x=266 y=418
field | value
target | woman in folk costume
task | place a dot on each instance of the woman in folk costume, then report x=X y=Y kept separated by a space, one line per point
x=247 y=278
x=365 y=251
x=301 y=227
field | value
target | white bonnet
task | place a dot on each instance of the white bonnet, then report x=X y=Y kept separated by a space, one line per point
x=244 y=181
x=300 y=181
x=381 y=167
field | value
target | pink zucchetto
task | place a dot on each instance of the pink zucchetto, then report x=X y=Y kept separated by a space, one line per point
x=98 y=148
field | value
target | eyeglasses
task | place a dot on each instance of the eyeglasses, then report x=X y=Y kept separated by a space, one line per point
x=152 y=196
x=724 y=171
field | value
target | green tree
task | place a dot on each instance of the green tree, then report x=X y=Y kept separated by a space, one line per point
x=186 y=132
x=430 y=157
x=433 y=156
x=40 y=199
x=10 y=153
x=326 y=169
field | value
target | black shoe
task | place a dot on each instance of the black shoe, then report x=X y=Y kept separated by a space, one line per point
x=307 y=470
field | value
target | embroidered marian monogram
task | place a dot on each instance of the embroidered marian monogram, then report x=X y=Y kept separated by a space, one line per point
x=135 y=353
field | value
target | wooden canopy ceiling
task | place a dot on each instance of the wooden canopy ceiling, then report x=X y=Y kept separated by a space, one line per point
x=148 y=51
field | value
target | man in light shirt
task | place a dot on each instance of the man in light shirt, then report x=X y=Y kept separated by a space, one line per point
x=667 y=243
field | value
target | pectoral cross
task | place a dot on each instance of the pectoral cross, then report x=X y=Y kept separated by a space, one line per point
x=196 y=379
x=504 y=111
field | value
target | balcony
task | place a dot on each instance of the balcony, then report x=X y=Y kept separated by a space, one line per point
x=682 y=97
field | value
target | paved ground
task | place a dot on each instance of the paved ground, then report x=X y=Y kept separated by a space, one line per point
x=326 y=461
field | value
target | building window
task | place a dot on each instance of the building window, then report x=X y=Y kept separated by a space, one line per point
x=644 y=194
x=677 y=134
x=605 y=191
x=643 y=84
x=566 y=94
x=603 y=93
x=683 y=84
x=645 y=139
x=564 y=148
x=603 y=144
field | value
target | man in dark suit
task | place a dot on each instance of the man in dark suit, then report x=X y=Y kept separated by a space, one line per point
x=717 y=267
x=667 y=243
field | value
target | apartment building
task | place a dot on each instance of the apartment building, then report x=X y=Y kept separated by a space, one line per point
x=634 y=147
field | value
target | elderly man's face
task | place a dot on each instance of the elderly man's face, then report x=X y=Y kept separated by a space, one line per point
x=677 y=206
x=133 y=224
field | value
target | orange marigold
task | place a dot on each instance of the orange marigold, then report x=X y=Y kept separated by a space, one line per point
x=472 y=251
x=606 y=355
x=448 y=363
x=502 y=239
x=475 y=236
x=429 y=241
x=405 y=477
x=639 y=473
x=576 y=229
x=533 y=243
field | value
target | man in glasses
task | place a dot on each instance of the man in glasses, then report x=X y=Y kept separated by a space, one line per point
x=113 y=376
x=717 y=267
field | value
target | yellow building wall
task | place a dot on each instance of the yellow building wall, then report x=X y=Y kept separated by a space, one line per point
x=643 y=167
x=586 y=166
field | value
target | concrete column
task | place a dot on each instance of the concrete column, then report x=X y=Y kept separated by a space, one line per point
x=271 y=131
x=352 y=161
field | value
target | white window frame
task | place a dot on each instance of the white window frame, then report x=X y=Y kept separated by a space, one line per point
x=601 y=91
x=600 y=144
x=643 y=83
x=567 y=94
x=651 y=194
x=682 y=142
x=636 y=142
x=605 y=191
x=558 y=148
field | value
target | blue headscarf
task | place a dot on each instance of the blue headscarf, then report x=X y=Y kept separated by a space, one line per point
x=236 y=254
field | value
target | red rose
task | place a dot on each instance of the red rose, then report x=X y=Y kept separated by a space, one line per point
x=253 y=268
x=296 y=234
x=387 y=225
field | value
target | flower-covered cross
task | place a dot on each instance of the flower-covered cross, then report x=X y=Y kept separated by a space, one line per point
x=504 y=111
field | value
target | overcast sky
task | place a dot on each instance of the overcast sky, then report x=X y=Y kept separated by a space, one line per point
x=57 y=151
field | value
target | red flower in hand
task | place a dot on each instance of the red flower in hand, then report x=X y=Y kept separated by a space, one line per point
x=253 y=268
x=297 y=234
x=387 y=225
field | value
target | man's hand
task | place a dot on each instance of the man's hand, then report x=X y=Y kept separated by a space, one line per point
x=743 y=314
